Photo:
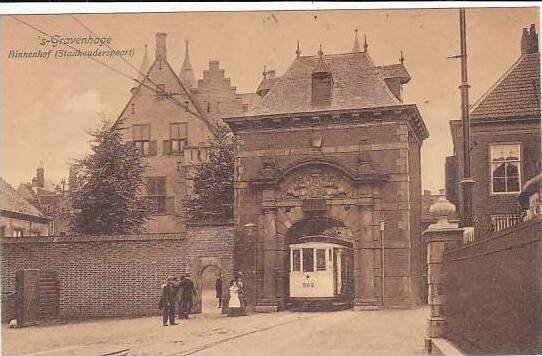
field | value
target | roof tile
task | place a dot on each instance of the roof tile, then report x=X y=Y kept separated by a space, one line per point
x=515 y=94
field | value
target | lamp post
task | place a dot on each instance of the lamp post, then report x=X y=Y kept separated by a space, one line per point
x=467 y=181
x=382 y=226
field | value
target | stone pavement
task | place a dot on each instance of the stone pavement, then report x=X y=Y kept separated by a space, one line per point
x=284 y=333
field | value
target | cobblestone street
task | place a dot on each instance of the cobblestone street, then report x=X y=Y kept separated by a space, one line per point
x=284 y=333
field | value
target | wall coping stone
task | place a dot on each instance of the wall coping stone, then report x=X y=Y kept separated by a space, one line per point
x=502 y=234
x=92 y=238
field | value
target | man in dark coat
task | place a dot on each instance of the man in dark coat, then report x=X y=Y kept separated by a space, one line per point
x=187 y=296
x=167 y=301
x=218 y=287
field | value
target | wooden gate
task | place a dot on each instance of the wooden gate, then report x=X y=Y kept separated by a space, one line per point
x=37 y=296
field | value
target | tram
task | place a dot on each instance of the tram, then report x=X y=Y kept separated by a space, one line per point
x=321 y=273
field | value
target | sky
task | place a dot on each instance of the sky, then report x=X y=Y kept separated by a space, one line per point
x=48 y=106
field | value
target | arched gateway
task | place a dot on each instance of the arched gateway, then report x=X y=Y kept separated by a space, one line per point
x=325 y=168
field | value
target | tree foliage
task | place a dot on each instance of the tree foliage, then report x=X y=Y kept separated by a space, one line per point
x=107 y=196
x=212 y=197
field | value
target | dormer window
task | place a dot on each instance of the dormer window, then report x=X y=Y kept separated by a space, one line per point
x=322 y=82
x=322 y=85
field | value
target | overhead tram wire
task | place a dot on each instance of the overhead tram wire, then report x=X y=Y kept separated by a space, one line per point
x=144 y=75
x=111 y=48
x=174 y=101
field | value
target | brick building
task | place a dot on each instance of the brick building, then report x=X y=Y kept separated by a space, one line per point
x=331 y=149
x=50 y=199
x=505 y=132
x=170 y=118
x=18 y=217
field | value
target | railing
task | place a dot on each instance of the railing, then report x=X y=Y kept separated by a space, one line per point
x=504 y=221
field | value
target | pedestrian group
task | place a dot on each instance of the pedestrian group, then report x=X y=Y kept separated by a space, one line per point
x=180 y=294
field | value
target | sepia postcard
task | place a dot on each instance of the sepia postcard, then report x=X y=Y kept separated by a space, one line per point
x=270 y=179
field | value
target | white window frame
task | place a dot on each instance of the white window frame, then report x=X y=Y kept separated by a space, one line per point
x=520 y=166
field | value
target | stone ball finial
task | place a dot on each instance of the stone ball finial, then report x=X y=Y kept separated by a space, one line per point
x=442 y=209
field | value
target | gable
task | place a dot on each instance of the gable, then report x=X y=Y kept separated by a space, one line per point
x=515 y=94
x=149 y=106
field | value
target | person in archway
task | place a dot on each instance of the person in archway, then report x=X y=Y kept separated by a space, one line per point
x=187 y=296
x=167 y=301
x=218 y=287
x=241 y=292
x=234 y=305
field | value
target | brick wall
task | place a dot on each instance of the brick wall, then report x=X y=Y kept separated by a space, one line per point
x=110 y=276
x=492 y=291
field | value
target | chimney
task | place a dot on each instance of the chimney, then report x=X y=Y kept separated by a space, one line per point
x=271 y=74
x=40 y=177
x=161 y=50
x=529 y=40
x=534 y=39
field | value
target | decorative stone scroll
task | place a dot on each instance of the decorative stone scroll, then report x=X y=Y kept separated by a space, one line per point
x=321 y=182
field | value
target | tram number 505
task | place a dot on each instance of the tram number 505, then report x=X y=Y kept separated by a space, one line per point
x=308 y=284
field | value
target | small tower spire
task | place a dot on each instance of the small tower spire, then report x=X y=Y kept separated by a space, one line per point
x=264 y=71
x=320 y=52
x=187 y=74
x=365 y=45
x=298 y=51
x=356 y=48
x=144 y=65
x=401 y=58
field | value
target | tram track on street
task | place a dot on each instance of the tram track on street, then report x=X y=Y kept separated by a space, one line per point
x=209 y=345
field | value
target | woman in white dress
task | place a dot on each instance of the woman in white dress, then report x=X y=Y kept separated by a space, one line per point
x=234 y=305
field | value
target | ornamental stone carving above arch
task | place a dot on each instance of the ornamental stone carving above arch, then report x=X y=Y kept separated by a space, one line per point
x=315 y=182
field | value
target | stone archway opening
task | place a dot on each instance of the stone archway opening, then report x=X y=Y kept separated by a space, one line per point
x=209 y=301
x=319 y=264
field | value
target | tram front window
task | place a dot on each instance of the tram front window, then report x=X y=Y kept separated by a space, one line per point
x=320 y=260
x=308 y=260
x=296 y=264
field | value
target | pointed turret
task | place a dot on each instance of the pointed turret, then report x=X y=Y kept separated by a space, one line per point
x=322 y=66
x=144 y=65
x=356 y=48
x=187 y=74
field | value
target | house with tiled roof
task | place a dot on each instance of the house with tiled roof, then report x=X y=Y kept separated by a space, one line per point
x=331 y=152
x=170 y=118
x=18 y=217
x=505 y=147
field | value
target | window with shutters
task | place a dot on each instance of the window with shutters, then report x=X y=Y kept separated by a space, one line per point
x=18 y=232
x=505 y=169
x=156 y=190
x=178 y=137
x=142 y=139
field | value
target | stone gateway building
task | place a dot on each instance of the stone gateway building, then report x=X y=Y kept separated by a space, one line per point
x=331 y=151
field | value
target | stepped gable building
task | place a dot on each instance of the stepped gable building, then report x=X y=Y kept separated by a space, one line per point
x=170 y=119
x=505 y=131
x=331 y=150
x=18 y=217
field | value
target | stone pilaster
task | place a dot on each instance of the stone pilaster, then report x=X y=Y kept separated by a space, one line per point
x=268 y=302
x=364 y=293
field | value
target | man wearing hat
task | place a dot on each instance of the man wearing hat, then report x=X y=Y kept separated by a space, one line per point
x=167 y=301
x=187 y=296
